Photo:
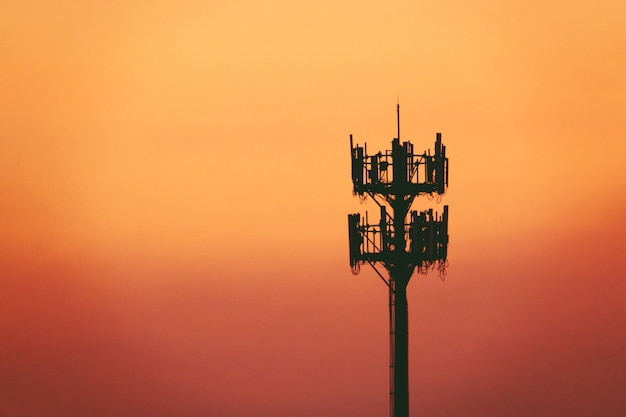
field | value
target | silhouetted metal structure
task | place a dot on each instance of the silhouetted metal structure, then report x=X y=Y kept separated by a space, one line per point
x=395 y=178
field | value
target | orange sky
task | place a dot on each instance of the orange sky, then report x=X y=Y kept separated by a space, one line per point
x=174 y=185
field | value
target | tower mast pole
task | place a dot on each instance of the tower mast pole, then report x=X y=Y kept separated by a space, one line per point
x=399 y=273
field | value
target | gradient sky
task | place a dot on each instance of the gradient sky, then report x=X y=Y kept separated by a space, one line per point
x=175 y=180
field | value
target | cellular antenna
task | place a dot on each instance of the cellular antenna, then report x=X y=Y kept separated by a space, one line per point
x=401 y=242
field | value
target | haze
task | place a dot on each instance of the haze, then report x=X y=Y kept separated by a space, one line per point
x=175 y=182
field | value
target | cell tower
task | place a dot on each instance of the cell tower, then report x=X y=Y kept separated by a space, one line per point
x=393 y=179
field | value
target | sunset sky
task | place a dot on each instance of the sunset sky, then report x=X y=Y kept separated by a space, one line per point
x=175 y=184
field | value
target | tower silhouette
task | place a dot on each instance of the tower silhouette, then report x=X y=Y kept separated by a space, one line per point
x=394 y=179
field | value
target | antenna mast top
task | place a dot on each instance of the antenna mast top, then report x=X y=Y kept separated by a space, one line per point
x=398 y=112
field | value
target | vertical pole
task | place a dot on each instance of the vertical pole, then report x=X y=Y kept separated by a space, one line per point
x=401 y=353
x=400 y=274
